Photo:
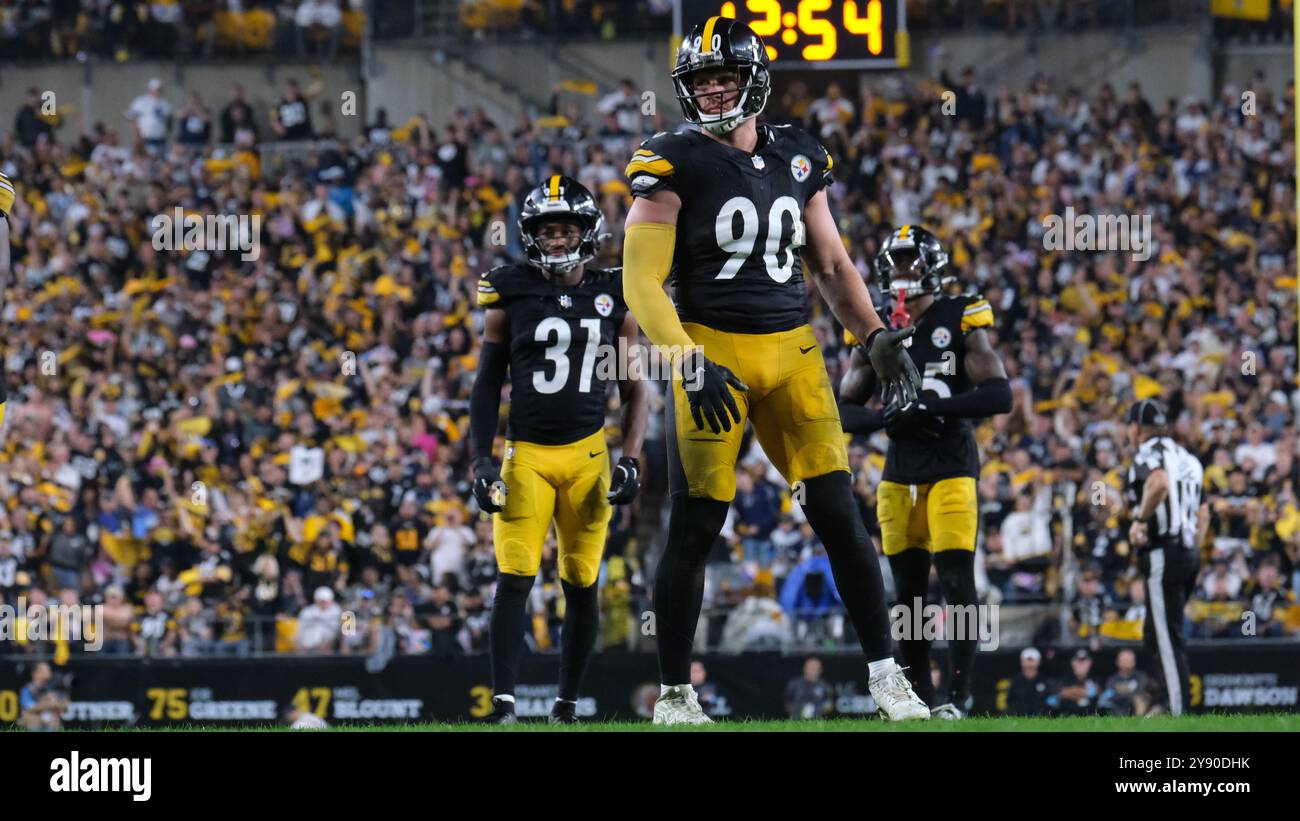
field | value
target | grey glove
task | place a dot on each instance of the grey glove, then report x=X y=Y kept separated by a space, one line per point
x=899 y=381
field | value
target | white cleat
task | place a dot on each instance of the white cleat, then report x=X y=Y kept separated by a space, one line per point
x=679 y=705
x=895 y=700
x=948 y=712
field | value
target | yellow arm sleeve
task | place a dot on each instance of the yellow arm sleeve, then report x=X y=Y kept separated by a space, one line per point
x=647 y=260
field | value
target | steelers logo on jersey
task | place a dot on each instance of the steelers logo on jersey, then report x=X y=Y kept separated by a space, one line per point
x=604 y=304
x=800 y=167
x=941 y=338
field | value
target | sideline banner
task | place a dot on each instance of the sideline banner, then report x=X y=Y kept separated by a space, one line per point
x=1238 y=677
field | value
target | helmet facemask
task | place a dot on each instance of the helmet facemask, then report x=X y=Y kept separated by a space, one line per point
x=904 y=271
x=752 y=86
x=558 y=242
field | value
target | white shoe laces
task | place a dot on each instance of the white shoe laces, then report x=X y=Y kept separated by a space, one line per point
x=898 y=688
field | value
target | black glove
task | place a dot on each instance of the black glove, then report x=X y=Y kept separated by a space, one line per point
x=898 y=378
x=626 y=481
x=706 y=390
x=913 y=420
x=487 y=478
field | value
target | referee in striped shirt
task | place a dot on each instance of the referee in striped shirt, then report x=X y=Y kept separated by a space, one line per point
x=1169 y=524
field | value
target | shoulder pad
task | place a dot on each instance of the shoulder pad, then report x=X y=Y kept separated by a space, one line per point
x=499 y=285
x=656 y=160
x=976 y=312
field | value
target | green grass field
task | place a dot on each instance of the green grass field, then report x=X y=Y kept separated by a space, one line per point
x=1284 y=722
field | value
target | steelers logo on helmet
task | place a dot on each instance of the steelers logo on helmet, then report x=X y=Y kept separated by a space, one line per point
x=604 y=304
x=941 y=338
x=800 y=167
x=560 y=199
x=726 y=46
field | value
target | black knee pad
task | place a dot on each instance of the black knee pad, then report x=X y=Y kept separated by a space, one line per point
x=829 y=497
x=694 y=524
x=911 y=570
x=580 y=598
x=513 y=588
x=956 y=570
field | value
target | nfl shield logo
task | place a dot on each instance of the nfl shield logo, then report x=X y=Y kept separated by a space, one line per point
x=566 y=302
x=758 y=162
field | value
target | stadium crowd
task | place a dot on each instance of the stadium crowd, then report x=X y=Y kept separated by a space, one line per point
x=127 y=29
x=285 y=29
x=270 y=455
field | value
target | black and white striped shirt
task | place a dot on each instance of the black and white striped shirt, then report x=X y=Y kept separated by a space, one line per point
x=1175 y=517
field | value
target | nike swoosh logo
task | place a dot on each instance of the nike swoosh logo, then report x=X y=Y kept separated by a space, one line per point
x=807 y=349
x=593 y=455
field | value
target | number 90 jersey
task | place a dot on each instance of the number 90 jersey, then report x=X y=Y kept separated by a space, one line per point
x=736 y=266
x=938 y=349
x=561 y=359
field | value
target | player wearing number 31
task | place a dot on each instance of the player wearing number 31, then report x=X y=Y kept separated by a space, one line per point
x=733 y=211
x=547 y=323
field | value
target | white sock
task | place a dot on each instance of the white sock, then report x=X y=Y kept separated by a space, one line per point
x=559 y=700
x=880 y=666
x=504 y=697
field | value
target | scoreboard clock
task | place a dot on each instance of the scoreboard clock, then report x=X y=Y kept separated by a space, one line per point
x=803 y=34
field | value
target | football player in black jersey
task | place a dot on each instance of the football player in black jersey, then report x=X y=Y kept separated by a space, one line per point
x=553 y=324
x=7 y=196
x=927 y=502
x=734 y=211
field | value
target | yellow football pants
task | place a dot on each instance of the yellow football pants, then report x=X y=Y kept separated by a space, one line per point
x=790 y=402
x=936 y=516
x=567 y=484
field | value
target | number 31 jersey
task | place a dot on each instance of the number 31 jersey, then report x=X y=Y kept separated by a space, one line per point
x=736 y=267
x=560 y=343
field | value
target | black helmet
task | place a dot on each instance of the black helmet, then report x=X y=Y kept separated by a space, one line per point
x=911 y=261
x=721 y=42
x=1148 y=413
x=561 y=199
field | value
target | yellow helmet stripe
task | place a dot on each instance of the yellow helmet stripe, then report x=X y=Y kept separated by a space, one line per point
x=904 y=231
x=707 y=46
x=554 y=192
